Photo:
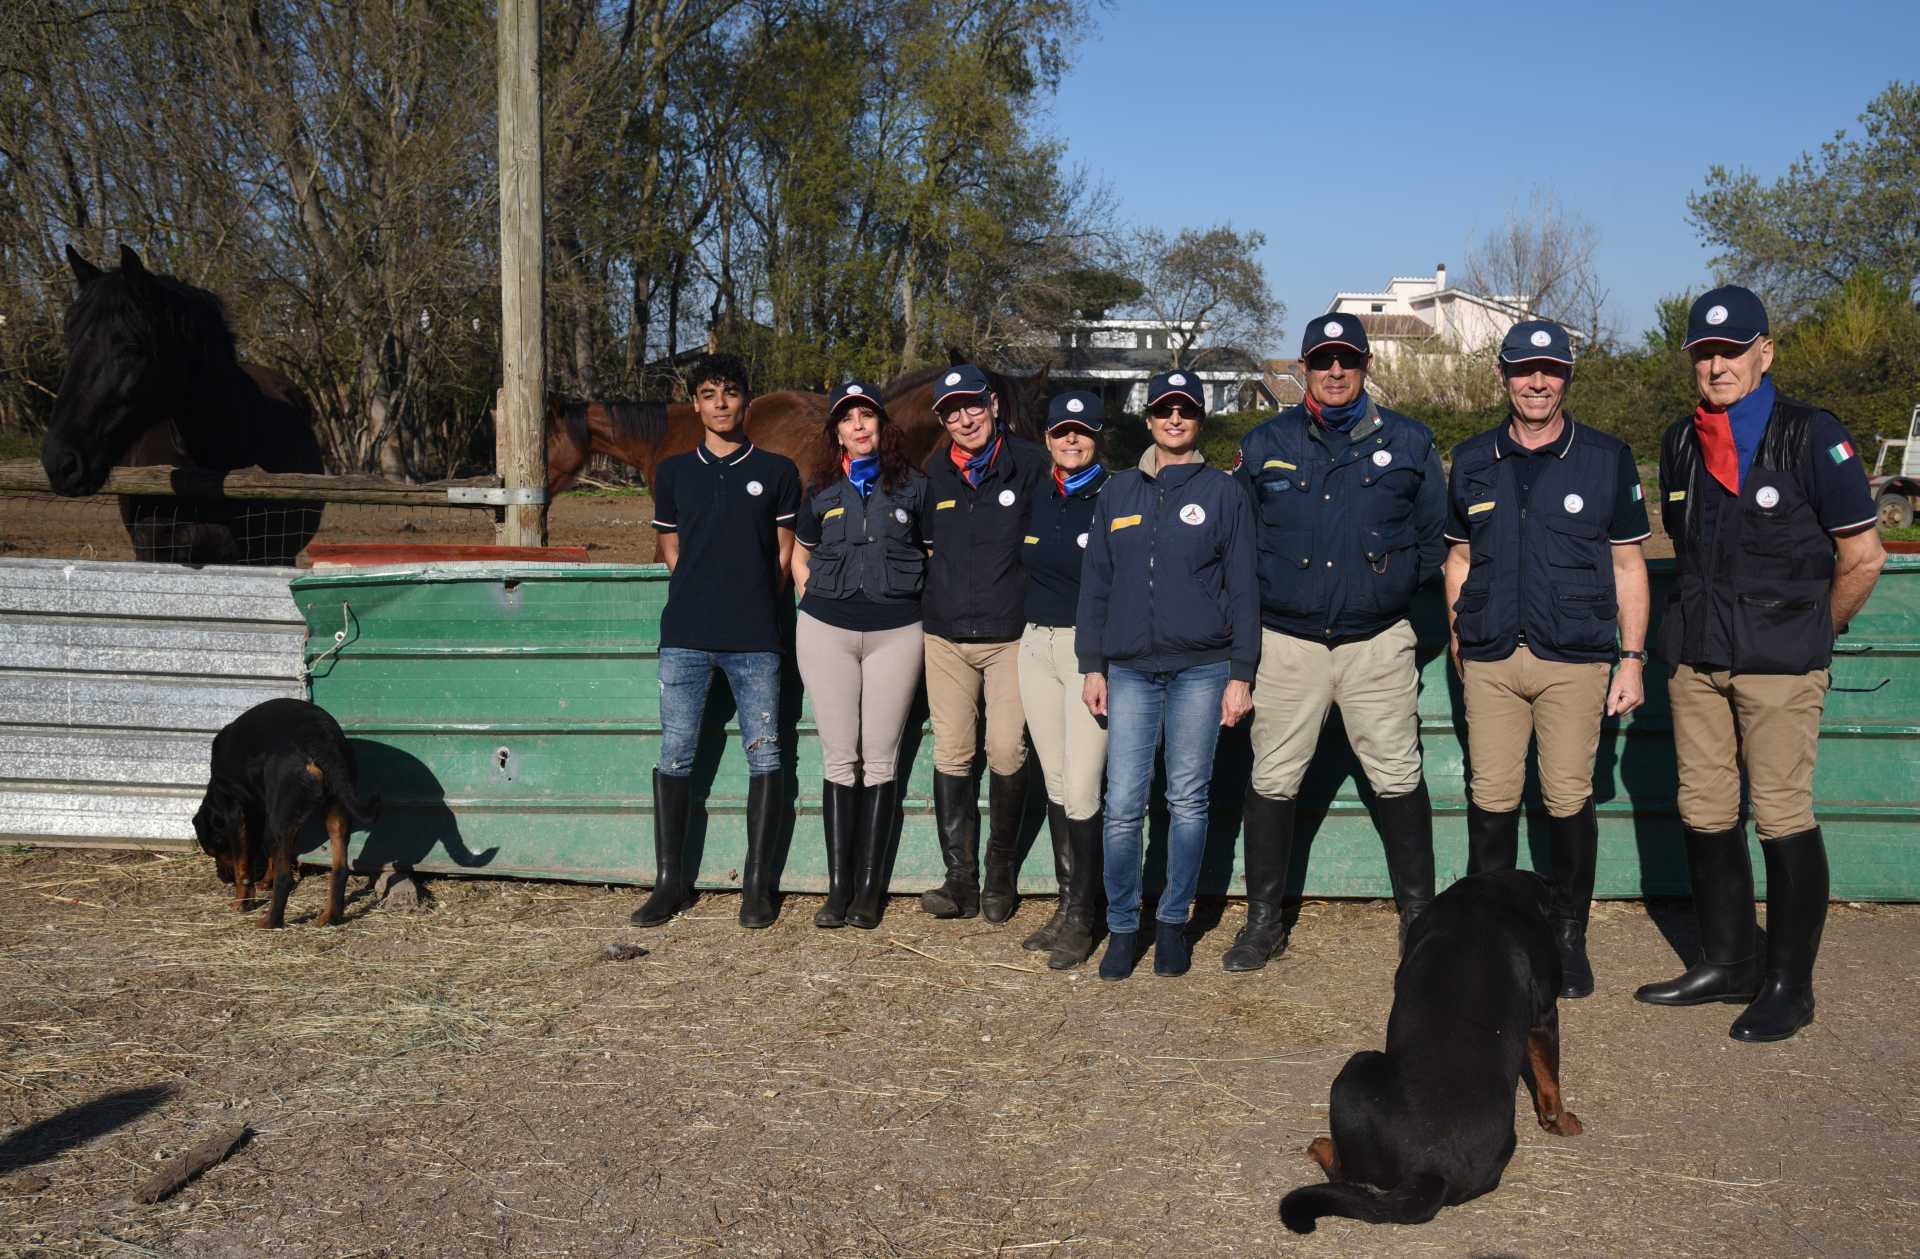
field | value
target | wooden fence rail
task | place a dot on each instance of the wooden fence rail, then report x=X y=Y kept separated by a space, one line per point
x=26 y=476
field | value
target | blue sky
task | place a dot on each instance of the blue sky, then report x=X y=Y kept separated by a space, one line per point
x=1375 y=140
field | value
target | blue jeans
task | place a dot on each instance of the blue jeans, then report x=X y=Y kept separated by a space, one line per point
x=1139 y=705
x=686 y=675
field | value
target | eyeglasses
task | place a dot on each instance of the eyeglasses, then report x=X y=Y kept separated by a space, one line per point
x=1168 y=410
x=962 y=408
x=1323 y=360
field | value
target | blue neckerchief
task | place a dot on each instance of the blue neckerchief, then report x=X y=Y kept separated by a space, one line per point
x=1340 y=419
x=976 y=466
x=1748 y=419
x=864 y=473
x=1073 y=484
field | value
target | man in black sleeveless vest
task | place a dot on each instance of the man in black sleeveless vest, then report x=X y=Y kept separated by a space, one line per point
x=1773 y=525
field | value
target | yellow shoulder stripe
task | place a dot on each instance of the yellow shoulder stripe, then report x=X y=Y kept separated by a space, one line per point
x=1032 y=541
x=945 y=503
x=838 y=511
x=1477 y=508
x=1278 y=463
x=1122 y=522
x=1674 y=496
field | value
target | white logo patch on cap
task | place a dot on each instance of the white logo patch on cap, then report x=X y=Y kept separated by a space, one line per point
x=1542 y=338
x=900 y=514
x=1194 y=514
x=1381 y=458
x=755 y=488
x=1573 y=503
x=1333 y=328
x=854 y=391
x=953 y=378
x=1006 y=498
x=1082 y=540
x=1075 y=405
x=1176 y=379
x=1717 y=316
x=1767 y=496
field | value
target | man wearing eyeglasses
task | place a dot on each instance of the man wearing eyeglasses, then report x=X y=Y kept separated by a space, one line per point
x=979 y=482
x=1349 y=502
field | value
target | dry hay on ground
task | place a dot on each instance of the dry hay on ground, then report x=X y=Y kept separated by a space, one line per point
x=472 y=1080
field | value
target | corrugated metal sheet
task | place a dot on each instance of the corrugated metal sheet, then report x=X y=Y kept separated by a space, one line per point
x=114 y=678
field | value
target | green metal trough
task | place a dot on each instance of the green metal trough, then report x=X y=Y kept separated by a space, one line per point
x=508 y=717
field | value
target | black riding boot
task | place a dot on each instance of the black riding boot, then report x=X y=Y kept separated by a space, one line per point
x=756 y=876
x=1493 y=840
x=1268 y=825
x=1796 y=912
x=840 y=819
x=956 y=815
x=1074 y=944
x=876 y=808
x=1406 y=832
x=672 y=888
x=1006 y=805
x=1576 y=844
x=1721 y=874
x=1062 y=875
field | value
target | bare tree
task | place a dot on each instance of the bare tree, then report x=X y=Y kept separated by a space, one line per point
x=1209 y=287
x=1541 y=261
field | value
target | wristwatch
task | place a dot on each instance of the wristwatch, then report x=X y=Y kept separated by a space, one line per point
x=1641 y=656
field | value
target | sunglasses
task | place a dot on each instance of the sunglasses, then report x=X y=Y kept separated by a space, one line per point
x=1323 y=360
x=1168 y=410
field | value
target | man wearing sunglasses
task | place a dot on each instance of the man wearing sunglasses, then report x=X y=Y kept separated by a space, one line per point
x=1349 y=502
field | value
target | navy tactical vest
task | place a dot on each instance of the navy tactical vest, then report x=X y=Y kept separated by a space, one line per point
x=868 y=546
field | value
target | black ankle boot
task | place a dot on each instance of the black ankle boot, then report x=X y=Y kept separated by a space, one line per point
x=756 y=875
x=672 y=888
x=1006 y=804
x=1123 y=951
x=1074 y=944
x=876 y=808
x=1721 y=874
x=1172 y=952
x=840 y=820
x=1493 y=840
x=1576 y=845
x=956 y=815
x=1268 y=827
x=1063 y=878
x=1796 y=914
x=1406 y=832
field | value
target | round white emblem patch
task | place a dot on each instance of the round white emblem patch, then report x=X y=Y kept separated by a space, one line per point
x=1542 y=338
x=1176 y=379
x=1717 y=316
x=1767 y=496
x=1333 y=328
x=854 y=390
x=953 y=378
x=1194 y=514
x=1006 y=498
x=900 y=514
x=1573 y=503
x=1381 y=458
x=1082 y=540
x=1075 y=405
x=755 y=488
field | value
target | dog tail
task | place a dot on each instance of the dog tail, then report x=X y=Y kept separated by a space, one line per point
x=341 y=776
x=1416 y=1201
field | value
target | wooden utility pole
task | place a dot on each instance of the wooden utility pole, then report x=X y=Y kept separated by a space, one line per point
x=520 y=422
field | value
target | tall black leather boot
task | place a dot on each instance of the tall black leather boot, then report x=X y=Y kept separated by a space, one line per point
x=1729 y=968
x=672 y=888
x=1493 y=840
x=876 y=809
x=756 y=876
x=956 y=815
x=1006 y=805
x=840 y=820
x=1267 y=825
x=1063 y=878
x=1796 y=914
x=1074 y=944
x=1576 y=846
x=1406 y=833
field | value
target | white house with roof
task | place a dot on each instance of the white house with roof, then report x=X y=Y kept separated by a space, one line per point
x=1114 y=358
x=1425 y=308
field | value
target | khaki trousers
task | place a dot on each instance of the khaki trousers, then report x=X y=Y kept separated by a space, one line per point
x=1070 y=741
x=1377 y=687
x=1766 y=723
x=955 y=674
x=861 y=686
x=1515 y=701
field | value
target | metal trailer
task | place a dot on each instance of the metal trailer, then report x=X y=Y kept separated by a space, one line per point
x=1896 y=492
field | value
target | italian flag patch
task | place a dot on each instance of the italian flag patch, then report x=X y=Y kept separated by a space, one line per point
x=1841 y=452
x=1638 y=493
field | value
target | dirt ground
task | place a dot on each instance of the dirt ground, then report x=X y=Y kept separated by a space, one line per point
x=471 y=1079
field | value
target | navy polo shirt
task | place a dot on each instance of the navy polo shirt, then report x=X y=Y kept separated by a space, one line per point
x=1629 y=522
x=728 y=514
x=1053 y=548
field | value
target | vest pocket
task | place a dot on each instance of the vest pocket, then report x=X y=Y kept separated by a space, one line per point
x=1393 y=569
x=906 y=572
x=827 y=574
x=1470 y=617
x=1572 y=543
x=1779 y=630
x=1584 y=619
x=1283 y=559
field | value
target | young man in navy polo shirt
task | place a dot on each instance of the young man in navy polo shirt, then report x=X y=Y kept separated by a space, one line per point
x=1546 y=588
x=724 y=512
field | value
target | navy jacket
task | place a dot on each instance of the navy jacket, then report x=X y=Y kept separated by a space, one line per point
x=976 y=591
x=1169 y=576
x=1055 y=544
x=1348 y=523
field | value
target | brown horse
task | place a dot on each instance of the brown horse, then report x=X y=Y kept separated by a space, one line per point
x=909 y=402
x=641 y=434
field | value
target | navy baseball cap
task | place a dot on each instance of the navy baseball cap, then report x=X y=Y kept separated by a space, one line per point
x=1177 y=384
x=1537 y=340
x=851 y=392
x=1729 y=313
x=1077 y=406
x=964 y=380
x=1336 y=329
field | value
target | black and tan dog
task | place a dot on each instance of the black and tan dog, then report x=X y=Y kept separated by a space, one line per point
x=273 y=766
x=1429 y=1123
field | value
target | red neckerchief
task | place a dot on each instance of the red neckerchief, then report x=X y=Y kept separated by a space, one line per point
x=1313 y=409
x=846 y=462
x=961 y=459
x=1715 y=433
x=1060 y=482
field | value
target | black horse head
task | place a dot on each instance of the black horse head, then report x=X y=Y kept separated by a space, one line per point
x=137 y=346
x=1023 y=400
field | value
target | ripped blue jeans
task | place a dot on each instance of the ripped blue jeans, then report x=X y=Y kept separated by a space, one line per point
x=686 y=675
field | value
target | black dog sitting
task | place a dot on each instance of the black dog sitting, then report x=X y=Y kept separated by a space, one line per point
x=272 y=767
x=1429 y=1123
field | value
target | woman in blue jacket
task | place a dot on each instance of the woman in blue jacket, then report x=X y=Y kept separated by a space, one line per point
x=1168 y=636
